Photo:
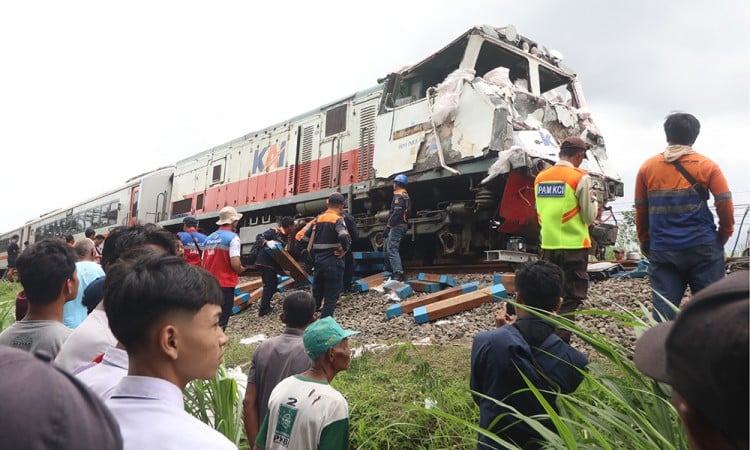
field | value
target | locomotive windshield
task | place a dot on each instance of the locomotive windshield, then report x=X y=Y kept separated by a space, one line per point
x=483 y=56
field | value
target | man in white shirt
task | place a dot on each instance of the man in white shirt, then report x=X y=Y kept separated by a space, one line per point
x=102 y=377
x=166 y=313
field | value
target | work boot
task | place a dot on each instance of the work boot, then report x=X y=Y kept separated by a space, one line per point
x=398 y=276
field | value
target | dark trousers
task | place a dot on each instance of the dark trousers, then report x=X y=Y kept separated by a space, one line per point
x=226 y=308
x=670 y=272
x=326 y=288
x=574 y=264
x=348 y=271
x=270 y=287
x=392 y=246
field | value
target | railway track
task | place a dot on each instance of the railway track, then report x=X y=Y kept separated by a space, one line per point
x=459 y=267
x=486 y=267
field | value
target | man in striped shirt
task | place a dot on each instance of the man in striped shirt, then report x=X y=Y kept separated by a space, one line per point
x=675 y=228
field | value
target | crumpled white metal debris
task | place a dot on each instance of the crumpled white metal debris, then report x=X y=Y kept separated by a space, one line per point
x=448 y=94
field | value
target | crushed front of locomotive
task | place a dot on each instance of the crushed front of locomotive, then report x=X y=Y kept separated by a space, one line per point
x=472 y=126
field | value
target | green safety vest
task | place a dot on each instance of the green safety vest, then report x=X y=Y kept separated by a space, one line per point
x=558 y=211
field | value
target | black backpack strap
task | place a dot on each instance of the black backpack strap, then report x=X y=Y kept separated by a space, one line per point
x=200 y=250
x=697 y=187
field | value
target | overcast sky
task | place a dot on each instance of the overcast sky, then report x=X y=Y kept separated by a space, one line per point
x=95 y=92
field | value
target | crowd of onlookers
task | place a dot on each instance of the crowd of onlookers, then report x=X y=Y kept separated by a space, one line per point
x=120 y=325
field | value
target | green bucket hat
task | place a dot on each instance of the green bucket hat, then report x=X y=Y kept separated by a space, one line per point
x=322 y=335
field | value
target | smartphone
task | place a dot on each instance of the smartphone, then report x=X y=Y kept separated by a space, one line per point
x=510 y=308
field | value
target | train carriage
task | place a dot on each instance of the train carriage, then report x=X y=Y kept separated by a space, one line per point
x=143 y=199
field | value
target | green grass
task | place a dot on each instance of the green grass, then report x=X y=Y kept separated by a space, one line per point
x=8 y=293
x=236 y=354
x=387 y=391
x=217 y=402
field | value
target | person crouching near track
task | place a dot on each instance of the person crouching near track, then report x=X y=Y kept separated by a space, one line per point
x=267 y=266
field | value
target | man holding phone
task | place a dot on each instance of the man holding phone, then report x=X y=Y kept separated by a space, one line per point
x=527 y=344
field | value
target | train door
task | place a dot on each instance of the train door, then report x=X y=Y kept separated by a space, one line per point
x=135 y=195
x=308 y=156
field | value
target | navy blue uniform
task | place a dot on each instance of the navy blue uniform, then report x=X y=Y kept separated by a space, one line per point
x=531 y=346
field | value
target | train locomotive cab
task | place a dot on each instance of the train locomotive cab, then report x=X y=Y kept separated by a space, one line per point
x=472 y=125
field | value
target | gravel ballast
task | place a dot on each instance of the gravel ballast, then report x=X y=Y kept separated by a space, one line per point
x=366 y=312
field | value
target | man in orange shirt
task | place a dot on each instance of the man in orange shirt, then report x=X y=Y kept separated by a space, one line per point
x=675 y=227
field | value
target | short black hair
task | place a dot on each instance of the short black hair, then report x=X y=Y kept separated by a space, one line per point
x=15 y=236
x=69 y=238
x=286 y=222
x=122 y=239
x=89 y=233
x=299 y=307
x=681 y=128
x=43 y=268
x=540 y=284
x=141 y=290
x=99 y=236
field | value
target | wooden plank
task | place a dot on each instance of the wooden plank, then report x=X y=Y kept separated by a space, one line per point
x=425 y=286
x=248 y=286
x=253 y=297
x=435 y=278
x=239 y=308
x=408 y=306
x=507 y=279
x=366 y=283
x=242 y=298
x=288 y=263
x=454 y=305
x=401 y=289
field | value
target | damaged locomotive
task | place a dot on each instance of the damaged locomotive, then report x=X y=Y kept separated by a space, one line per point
x=472 y=125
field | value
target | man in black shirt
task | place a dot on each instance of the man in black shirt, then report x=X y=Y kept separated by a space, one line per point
x=13 y=251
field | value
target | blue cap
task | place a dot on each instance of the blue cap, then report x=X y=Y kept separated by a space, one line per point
x=336 y=199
